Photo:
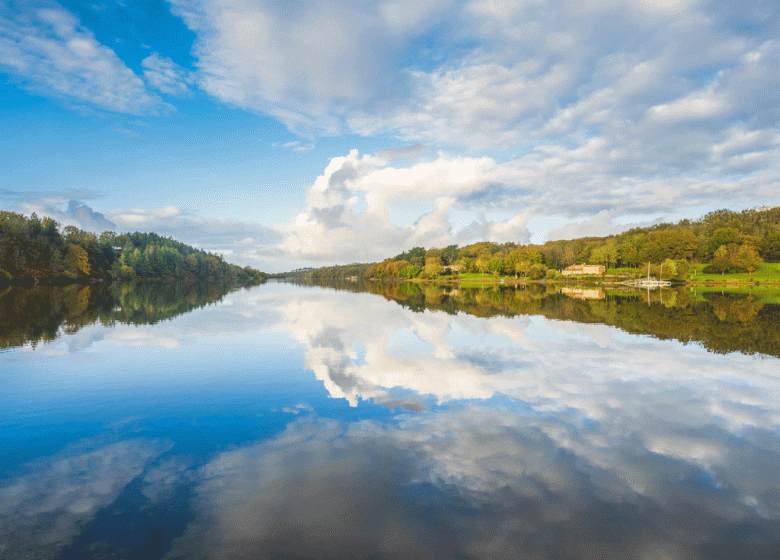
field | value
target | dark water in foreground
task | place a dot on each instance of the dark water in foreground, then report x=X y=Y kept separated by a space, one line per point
x=290 y=421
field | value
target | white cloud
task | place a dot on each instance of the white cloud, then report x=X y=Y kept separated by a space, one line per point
x=481 y=103
x=305 y=66
x=354 y=208
x=692 y=107
x=601 y=224
x=401 y=14
x=585 y=109
x=351 y=206
x=166 y=76
x=596 y=106
x=295 y=146
x=59 y=207
x=52 y=54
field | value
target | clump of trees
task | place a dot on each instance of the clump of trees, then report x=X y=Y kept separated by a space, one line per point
x=34 y=250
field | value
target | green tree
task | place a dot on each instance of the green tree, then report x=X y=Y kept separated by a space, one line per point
x=770 y=246
x=674 y=270
x=537 y=271
x=432 y=267
x=77 y=261
x=748 y=259
x=482 y=264
x=449 y=254
x=410 y=271
x=722 y=261
x=724 y=236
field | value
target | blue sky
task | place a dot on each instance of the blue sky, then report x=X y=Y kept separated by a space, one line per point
x=283 y=134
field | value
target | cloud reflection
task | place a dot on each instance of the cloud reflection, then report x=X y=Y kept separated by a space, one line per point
x=480 y=482
x=600 y=445
x=360 y=346
x=43 y=510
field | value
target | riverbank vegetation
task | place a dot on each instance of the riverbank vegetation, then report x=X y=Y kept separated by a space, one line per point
x=34 y=251
x=720 y=246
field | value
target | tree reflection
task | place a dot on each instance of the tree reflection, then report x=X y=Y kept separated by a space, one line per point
x=721 y=322
x=42 y=313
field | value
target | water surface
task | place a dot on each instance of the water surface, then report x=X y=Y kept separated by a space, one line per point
x=289 y=421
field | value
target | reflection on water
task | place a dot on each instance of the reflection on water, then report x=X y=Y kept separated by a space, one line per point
x=41 y=314
x=460 y=424
x=42 y=510
x=477 y=482
x=721 y=321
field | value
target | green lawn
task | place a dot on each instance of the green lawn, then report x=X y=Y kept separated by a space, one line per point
x=480 y=276
x=767 y=272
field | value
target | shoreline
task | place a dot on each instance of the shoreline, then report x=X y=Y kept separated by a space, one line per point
x=589 y=281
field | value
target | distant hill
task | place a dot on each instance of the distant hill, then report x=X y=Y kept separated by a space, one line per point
x=36 y=250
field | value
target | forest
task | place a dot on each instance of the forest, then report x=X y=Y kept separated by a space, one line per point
x=724 y=240
x=38 y=251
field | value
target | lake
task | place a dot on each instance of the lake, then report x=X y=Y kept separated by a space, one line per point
x=388 y=421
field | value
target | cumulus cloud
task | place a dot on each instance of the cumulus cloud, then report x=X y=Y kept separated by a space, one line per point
x=51 y=53
x=351 y=206
x=87 y=218
x=586 y=109
x=354 y=206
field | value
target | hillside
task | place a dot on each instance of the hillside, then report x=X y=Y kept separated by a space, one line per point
x=36 y=251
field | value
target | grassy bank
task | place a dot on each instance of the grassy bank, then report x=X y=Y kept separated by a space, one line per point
x=767 y=274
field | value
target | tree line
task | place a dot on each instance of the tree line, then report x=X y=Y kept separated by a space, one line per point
x=725 y=240
x=34 y=250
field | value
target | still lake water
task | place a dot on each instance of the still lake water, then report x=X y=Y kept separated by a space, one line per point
x=286 y=421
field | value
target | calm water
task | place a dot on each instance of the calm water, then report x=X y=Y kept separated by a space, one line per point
x=288 y=421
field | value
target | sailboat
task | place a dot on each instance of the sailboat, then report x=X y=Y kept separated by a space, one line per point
x=652 y=282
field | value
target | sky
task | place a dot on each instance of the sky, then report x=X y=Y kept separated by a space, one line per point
x=293 y=133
